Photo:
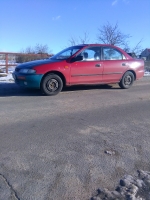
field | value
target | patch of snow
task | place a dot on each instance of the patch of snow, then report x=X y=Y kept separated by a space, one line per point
x=129 y=188
x=6 y=77
x=147 y=73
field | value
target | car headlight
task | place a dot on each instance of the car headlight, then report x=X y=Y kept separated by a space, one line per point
x=27 y=71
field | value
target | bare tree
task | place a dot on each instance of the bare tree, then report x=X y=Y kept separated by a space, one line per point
x=73 y=41
x=41 y=49
x=33 y=53
x=137 y=49
x=85 y=38
x=81 y=40
x=29 y=50
x=109 y=34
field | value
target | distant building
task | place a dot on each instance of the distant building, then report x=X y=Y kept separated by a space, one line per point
x=146 y=54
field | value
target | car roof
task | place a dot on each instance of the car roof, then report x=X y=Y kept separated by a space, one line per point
x=96 y=44
x=109 y=45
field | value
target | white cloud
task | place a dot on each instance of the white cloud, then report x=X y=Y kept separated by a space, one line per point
x=117 y=1
x=56 y=18
x=114 y=2
x=126 y=1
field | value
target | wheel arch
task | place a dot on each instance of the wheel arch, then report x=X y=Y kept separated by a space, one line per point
x=133 y=72
x=57 y=73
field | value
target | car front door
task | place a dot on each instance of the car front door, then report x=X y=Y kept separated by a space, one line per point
x=89 y=70
x=114 y=64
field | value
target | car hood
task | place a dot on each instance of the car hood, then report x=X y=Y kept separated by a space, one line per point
x=32 y=64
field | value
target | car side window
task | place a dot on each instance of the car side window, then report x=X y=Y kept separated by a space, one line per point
x=91 y=54
x=111 y=54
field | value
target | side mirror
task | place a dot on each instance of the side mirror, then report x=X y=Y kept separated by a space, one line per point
x=78 y=58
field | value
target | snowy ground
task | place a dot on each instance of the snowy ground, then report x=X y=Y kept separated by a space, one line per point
x=147 y=73
x=6 y=77
x=129 y=188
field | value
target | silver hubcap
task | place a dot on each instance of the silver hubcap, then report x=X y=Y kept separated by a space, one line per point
x=128 y=80
x=52 y=85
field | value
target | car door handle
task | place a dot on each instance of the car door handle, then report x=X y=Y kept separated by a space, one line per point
x=97 y=65
x=124 y=64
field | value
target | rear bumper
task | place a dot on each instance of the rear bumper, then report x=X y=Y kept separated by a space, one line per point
x=28 y=81
x=140 y=74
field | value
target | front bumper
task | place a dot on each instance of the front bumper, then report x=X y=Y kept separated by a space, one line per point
x=28 y=80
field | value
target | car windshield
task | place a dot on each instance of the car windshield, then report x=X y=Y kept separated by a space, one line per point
x=66 y=53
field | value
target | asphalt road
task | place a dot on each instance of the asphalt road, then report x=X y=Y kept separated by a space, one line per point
x=67 y=146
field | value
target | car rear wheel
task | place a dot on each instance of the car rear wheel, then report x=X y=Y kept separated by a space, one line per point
x=127 y=80
x=51 y=85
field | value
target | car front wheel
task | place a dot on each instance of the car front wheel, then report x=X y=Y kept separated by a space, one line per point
x=51 y=85
x=127 y=80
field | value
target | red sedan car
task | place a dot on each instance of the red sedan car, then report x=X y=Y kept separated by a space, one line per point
x=81 y=64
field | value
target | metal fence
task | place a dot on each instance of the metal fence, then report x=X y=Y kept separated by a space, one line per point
x=8 y=59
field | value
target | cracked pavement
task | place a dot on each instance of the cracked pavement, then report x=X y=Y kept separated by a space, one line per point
x=55 y=147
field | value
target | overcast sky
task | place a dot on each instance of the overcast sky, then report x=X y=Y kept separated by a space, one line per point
x=25 y=23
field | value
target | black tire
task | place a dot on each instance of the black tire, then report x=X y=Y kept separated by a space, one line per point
x=127 y=80
x=51 y=84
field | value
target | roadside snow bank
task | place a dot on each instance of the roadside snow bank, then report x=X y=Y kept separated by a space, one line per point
x=129 y=188
x=6 y=77
x=147 y=73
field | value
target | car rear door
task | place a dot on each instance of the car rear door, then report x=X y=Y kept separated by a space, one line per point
x=114 y=63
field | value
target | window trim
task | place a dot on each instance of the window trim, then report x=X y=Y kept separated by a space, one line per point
x=102 y=54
